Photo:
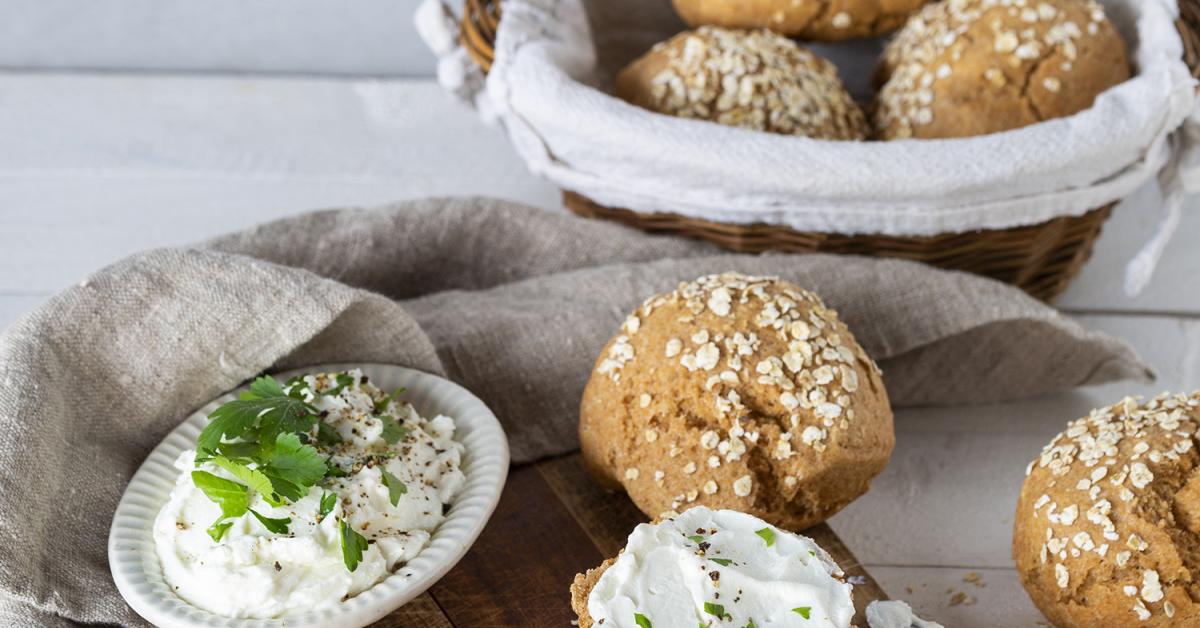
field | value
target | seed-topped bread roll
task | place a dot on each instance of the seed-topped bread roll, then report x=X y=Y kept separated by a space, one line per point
x=971 y=67
x=821 y=20
x=737 y=392
x=752 y=79
x=1107 y=525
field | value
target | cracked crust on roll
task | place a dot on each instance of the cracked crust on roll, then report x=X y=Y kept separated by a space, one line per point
x=962 y=68
x=1107 y=528
x=819 y=20
x=737 y=392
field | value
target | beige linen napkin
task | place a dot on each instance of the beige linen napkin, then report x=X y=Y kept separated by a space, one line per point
x=512 y=302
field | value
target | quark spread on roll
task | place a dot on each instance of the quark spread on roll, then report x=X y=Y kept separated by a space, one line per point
x=720 y=568
x=254 y=572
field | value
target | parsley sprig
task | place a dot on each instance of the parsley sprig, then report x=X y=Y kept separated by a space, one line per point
x=262 y=439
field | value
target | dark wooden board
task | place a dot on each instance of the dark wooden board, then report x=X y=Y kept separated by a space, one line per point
x=553 y=521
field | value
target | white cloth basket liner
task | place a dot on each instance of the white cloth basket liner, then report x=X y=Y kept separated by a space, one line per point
x=543 y=88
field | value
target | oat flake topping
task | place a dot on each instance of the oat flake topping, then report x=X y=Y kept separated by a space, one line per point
x=926 y=50
x=814 y=378
x=758 y=80
x=1156 y=432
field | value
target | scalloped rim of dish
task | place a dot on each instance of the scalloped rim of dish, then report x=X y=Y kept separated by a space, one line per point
x=138 y=573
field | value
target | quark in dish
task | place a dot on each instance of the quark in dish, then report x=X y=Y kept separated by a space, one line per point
x=720 y=568
x=253 y=572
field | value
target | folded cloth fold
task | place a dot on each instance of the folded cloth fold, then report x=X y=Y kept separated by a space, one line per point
x=512 y=302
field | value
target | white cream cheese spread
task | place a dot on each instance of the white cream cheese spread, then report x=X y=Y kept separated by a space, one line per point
x=720 y=568
x=254 y=572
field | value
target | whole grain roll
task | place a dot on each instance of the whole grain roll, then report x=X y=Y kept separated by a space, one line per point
x=737 y=392
x=820 y=20
x=1107 y=530
x=751 y=79
x=961 y=68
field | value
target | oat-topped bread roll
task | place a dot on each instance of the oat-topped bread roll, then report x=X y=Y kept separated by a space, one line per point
x=1107 y=525
x=714 y=568
x=821 y=20
x=752 y=79
x=737 y=392
x=971 y=67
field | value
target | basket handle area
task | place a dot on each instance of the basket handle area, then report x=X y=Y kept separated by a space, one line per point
x=1189 y=30
x=477 y=33
x=481 y=18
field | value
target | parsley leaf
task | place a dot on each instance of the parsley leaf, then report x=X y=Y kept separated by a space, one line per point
x=767 y=535
x=641 y=621
x=334 y=471
x=750 y=624
x=265 y=387
x=714 y=609
x=342 y=381
x=328 y=502
x=278 y=526
x=218 y=529
x=327 y=434
x=229 y=495
x=238 y=449
x=293 y=467
x=696 y=538
x=383 y=404
x=724 y=562
x=353 y=545
x=392 y=430
x=804 y=611
x=395 y=487
x=265 y=404
x=295 y=387
x=253 y=478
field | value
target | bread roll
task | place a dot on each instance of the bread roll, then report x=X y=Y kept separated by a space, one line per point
x=821 y=20
x=751 y=79
x=971 y=67
x=737 y=392
x=1107 y=530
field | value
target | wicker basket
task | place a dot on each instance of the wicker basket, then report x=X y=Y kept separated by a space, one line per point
x=1041 y=259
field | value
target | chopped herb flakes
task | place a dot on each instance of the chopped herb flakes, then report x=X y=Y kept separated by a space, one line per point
x=353 y=545
x=395 y=487
x=641 y=621
x=803 y=611
x=328 y=502
x=714 y=609
x=218 y=529
x=341 y=382
x=383 y=404
x=393 y=432
x=327 y=435
x=767 y=535
x=278 y=526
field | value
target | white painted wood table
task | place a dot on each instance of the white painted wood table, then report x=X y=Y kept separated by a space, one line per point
x=95 y=167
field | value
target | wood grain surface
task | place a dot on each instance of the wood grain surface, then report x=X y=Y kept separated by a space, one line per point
x=554 y=521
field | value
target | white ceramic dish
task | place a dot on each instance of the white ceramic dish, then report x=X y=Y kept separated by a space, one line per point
x=138 y=574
